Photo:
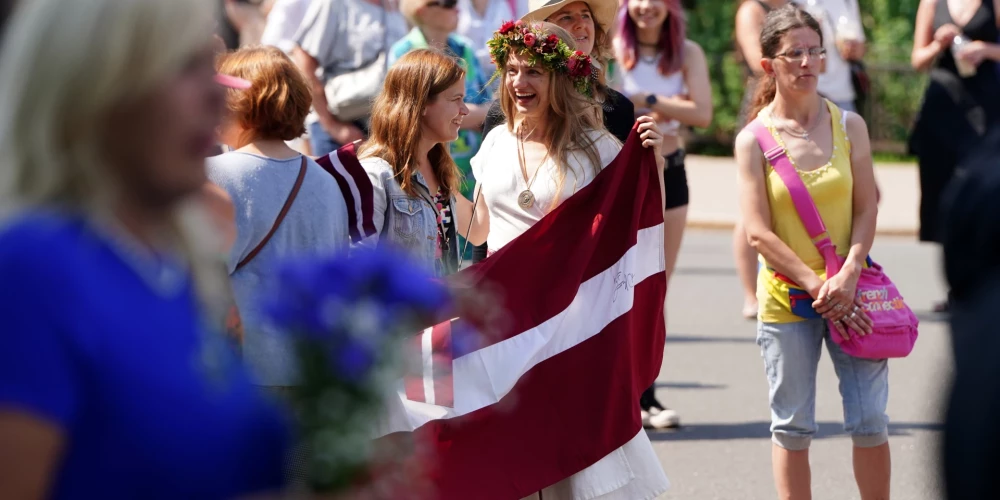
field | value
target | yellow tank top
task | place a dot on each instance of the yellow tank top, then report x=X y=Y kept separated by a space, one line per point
x=831 y=187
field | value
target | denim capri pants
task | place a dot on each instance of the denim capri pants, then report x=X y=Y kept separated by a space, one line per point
x=791 y=353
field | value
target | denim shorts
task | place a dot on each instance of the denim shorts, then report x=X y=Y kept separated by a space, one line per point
x=791 y=353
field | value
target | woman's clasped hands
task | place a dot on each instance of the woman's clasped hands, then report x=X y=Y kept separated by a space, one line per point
x=837 y=302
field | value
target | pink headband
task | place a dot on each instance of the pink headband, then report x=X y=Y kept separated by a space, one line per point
x=232 y=82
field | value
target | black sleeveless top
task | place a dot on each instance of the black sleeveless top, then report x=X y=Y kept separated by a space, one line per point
x=981 y=26
x=957 y=111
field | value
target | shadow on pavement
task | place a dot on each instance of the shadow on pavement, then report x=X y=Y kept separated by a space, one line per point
x=760 y=430
x=688 y=385
x=691 y=338
x=705 y=271
x=931 y=316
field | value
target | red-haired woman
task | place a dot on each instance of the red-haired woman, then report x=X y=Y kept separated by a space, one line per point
x=666 y=77
x=272 y=187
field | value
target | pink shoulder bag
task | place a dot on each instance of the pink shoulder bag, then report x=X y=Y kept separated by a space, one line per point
x=895 y=326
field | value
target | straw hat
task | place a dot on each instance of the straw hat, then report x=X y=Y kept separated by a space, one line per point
x=604 y=11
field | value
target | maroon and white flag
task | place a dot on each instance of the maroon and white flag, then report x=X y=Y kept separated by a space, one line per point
x=555 y=386
x=356 y=188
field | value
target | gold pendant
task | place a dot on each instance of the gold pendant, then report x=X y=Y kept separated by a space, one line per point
x=526 y=199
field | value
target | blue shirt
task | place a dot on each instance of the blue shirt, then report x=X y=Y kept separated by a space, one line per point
x=91 y=347
x=315 y=225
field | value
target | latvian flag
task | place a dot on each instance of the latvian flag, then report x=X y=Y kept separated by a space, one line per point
x=354 y=184
x=555 y=386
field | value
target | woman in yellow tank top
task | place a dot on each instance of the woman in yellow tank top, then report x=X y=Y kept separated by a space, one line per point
x=832 y=155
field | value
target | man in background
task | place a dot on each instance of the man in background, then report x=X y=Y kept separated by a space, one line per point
x=343 y=39
x=843 y=81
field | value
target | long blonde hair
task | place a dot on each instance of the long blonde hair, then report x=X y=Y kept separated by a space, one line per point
x=412 y=83
x=64 y=67
x=571 y=116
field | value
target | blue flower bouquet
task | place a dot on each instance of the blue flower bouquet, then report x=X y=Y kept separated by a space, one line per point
x=350 y=316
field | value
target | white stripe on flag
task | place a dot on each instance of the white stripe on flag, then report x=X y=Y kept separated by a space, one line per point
x=355 y=193
x=427 y=350
x=483 y=377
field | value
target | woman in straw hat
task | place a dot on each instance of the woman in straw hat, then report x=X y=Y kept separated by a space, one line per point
x=115 y=378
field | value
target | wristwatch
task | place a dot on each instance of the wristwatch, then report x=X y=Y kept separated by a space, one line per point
x=651 y=99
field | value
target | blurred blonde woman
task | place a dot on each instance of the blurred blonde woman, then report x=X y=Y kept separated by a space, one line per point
x=115 y=379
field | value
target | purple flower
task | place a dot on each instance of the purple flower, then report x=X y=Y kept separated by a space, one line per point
x=353 y=361
x=368 y=295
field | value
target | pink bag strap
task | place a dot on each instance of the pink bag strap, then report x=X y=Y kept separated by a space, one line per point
x=777 y=156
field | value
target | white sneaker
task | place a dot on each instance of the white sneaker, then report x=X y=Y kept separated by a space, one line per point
x=645 y=418
x=662 y=419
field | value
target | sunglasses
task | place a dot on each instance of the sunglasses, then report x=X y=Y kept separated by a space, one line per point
x=444 y=4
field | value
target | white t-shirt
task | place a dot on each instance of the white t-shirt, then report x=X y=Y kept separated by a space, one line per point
x=835 y=83
x=498 y=172
x=479 y=30
x=345 y=35
x=645 y=78
x=283 y=22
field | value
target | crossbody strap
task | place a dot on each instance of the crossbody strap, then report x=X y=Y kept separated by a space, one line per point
x=777 y=156
x=281 y=215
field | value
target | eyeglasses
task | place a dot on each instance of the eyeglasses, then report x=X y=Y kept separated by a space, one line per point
x=799 y=54
x=444 y=4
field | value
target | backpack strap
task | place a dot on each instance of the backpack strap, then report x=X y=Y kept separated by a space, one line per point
x=777 y=156
x=281 y=216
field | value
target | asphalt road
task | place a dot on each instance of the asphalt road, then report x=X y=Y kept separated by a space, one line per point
x=713 y=376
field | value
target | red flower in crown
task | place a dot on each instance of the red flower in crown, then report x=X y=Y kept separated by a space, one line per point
x=552 y=39
x=506 y=27
x=530 y=39
x=579 y=65
x=571 y=65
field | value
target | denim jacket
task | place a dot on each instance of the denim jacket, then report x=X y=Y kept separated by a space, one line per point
x=407 y=222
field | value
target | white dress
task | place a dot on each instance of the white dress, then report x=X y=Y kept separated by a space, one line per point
x=632 y=472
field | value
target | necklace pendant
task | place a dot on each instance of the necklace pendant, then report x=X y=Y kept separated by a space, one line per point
x=526 y=199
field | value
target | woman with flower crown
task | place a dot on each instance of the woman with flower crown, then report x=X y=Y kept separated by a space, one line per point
x=554 y=129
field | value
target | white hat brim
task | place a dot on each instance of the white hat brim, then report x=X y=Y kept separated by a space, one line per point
x=604 y=11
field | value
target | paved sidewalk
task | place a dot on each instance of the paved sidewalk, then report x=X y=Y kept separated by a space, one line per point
x=713 y=375
x=715 y=198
